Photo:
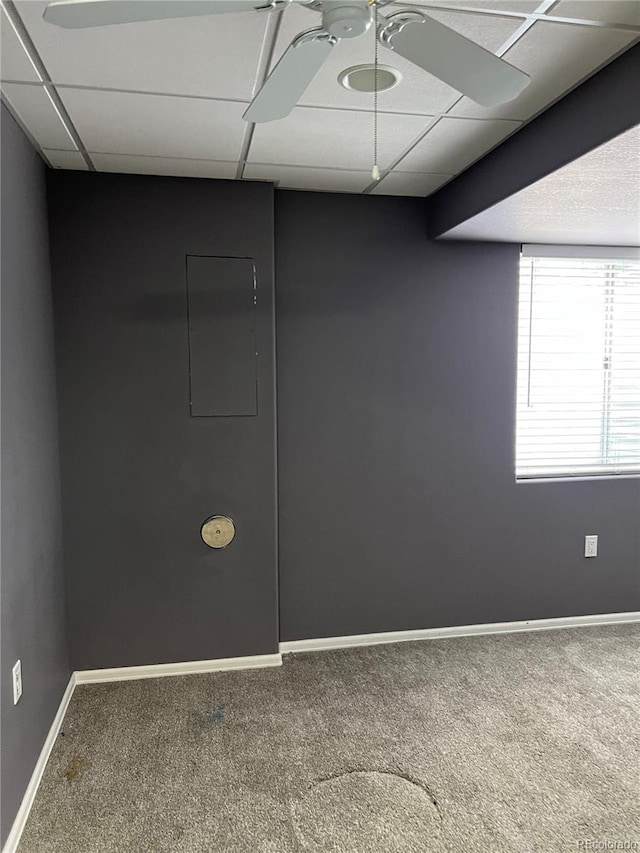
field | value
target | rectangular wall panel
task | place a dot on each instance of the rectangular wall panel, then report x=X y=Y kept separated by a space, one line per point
x=222 y=346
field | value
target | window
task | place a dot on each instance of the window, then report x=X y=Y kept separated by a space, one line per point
x=578 y=388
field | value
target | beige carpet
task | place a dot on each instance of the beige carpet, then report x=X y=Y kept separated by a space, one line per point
x=522 y=742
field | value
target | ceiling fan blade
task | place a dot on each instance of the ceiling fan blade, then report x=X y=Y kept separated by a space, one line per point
x=74 y=14
x=297 y=67
x=453 y=58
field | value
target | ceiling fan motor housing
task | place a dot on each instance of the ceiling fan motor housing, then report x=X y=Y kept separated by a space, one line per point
x=346 y=20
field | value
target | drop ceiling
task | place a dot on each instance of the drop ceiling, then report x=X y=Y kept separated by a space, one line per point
x=167 y=97
x=595 y=200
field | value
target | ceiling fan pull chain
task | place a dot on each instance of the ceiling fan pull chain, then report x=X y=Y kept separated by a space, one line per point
x=375 y=171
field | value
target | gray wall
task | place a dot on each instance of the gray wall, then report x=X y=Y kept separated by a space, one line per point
x=31 y=568
x=396 y=395
x=140 y=474
x=396 y=378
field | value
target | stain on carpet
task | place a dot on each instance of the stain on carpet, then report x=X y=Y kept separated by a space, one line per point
x=364 y=810
x=217 y=715
x=74 y=769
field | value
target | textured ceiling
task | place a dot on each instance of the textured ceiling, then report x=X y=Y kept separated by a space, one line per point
x=167 y=97
x=595 y=201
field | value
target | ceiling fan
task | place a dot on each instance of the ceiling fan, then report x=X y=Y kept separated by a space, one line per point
x=453 y=58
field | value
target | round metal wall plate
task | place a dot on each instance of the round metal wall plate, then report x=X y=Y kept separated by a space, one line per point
x=218 y=531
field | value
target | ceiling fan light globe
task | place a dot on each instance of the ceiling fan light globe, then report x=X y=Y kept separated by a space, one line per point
x=366 y=79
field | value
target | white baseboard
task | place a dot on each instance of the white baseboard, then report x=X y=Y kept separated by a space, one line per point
x=93 y=676
x=160 y=670
x=13 y=838
x=326 y=643
x=124 y=673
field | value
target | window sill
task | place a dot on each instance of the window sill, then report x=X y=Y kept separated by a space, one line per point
x=580 y=479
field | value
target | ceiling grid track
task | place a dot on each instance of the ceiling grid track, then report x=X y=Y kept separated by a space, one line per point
x=274 y=22
x=529 y=20
x=47 y=84
x=246 y=139
x=25 y=129
x=540 y=14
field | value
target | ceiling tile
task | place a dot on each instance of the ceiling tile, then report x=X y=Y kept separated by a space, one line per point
x=213 y=56
x=14 y=59
x=417 y=92
x=334 y=138
x=66 y=159
x=36 y=111
x=611 y=11
x=305 y=178
x=453 y=144
x=410 y=184
x=557 y=57
x=131 y=164
x=128 y=123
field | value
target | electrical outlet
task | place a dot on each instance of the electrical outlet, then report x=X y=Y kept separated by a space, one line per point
x=16 y=672
x=591 y=546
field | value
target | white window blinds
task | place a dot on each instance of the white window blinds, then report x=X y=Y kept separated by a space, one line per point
x=578 y=388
